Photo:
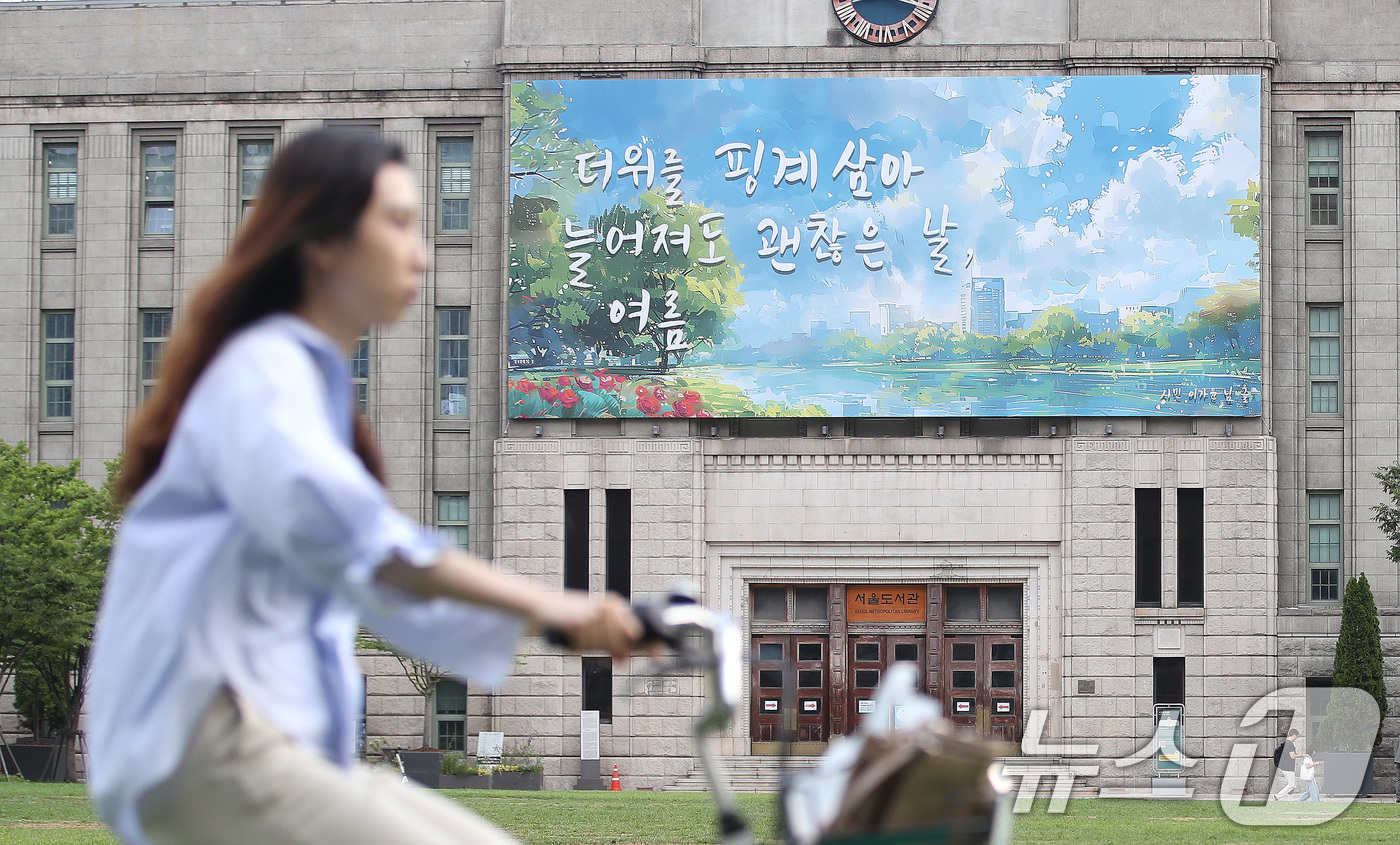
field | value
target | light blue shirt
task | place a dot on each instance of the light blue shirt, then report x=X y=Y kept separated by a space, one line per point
x=249 y=559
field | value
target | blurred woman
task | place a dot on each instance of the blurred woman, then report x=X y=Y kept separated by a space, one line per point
x=258 y=537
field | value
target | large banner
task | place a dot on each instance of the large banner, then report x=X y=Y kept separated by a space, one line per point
x=985 y=246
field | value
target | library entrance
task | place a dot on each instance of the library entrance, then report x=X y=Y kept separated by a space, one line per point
x=820 y=651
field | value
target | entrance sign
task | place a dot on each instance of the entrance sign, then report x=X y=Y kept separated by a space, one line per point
x=947 y=246
x=884 y=603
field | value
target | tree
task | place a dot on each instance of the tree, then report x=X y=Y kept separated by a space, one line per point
x=422 y=675
x=1358 y=664
x=549 y=317
x=1244 y=218
x=541 y=150
x=56 y=534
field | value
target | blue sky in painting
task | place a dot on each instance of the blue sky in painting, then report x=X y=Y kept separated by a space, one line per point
x=1098 y=192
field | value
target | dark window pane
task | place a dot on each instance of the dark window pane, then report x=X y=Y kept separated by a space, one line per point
x=770 y=678
x=451 y=698
x=452 y=321
x=906 y=651
x=809 y=678
x=454 y=400
x=58 y=326
x=1190 y=547
x=1147 y=506
x=62 y=219
x=1324 y=585
x=963 y=604
x=597 y=687
x=867 y=678
x=867 y=651
x=456 y=152
x=964 y=652
x=155 y=323
x=770 y=651
x=576 y=541
x=811 y=603
x=1168 y=680
x=58 y=402
x=1004 y=679
x=1003 y=604
x=453 y=360
x=1003 y=651
x=964 y=679
x=456 y=215
x=452 y=735
x=160 y=184
x=809 y=651
x=617 y=550
x=770 y=604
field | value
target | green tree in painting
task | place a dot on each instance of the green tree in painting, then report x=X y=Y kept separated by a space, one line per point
x=1056 y=329
x=602 y=318
x=541 y=152
x=1244 y=218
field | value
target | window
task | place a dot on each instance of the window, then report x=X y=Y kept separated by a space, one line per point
x=453 y=517
x=791 y=604
x=158 y=188
x=58 y=365
x=1168 y=680
x=454 y=185
x=1324 y=179
x=1324 y=546
x=60 y=190
x=253 y=160
x=450 y=715
x=597 y=687
x=576 y=541
x=998 y=604
x=1324 y=359
x=1190 y=547
x=1147 y=556
x=359 y=373
x=618 y=552
x=452 y=361
x=155 y=330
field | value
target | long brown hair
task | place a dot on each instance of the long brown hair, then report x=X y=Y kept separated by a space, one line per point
x=315 y=190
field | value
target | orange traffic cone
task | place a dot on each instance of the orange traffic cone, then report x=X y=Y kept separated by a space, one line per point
x=616 y=781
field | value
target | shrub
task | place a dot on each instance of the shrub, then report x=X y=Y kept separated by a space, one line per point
x=1358 y=663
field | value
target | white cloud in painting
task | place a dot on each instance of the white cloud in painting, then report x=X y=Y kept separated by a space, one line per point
x=1214 y=110
x=1046 y=230
x=1028 y=137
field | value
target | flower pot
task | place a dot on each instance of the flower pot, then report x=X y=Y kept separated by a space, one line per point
x=464 y=782
x=422 y=766
x=1347 y=773
x=517 y=780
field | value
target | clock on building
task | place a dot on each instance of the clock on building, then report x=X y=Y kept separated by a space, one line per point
x=884 y=21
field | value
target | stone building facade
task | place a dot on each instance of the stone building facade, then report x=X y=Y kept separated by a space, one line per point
x=1019 y=544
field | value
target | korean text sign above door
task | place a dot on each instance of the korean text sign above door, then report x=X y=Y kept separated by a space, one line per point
x=987 y=246
x=883 y=603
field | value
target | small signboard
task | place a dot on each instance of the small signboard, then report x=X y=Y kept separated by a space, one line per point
x=962 y=705
x=887 y=603
x=770 y=705
x=588 y=735
x=865 y=706
x=811 y=705
x=1166 y=737
x=489 y=747
x=1002 y=706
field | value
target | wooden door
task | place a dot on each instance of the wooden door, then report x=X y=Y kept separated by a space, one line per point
x=789 y=678
x=982 y=682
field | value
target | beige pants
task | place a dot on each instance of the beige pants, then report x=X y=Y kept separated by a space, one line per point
x=241 y=781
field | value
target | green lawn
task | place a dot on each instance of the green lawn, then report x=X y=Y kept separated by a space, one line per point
x=41 y=814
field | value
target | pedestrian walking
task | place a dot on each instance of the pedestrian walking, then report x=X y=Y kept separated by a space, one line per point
x=1284 y=762
x=1307 y=775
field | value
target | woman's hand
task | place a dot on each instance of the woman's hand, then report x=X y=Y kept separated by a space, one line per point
x=588 y=622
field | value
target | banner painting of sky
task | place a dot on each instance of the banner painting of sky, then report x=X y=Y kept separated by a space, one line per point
x=931 y=247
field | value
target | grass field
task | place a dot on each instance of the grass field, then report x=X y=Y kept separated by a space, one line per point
x=59 y=814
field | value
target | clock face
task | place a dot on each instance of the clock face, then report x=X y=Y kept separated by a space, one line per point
x=884 y=21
